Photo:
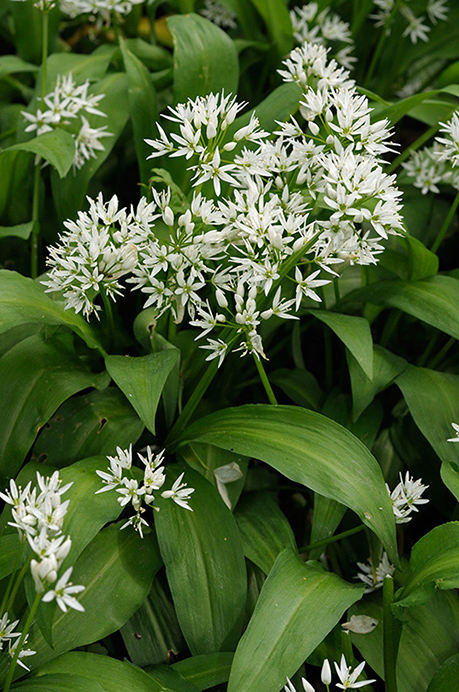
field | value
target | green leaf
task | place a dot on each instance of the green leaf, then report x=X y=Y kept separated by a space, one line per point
x=299 y=385
x=298 y=605
x=446 y=679
x=9 y=64
x=434 y=421
x=22 y=301
x=142 y=107
x=265 y=531
x=308 y=448
x=87 y=425
x=434 y=564
x=171 y=679
x=326 y=518
x=142 y=380
x=9 y=548
x=206 y=670
x=386 y=367
x=153 y=631
x=205 y=59
x=112 y=675
x=59 y=682
x=153 y=57
x=56 y=147
x=277 y=19
x=395 y=111
x=429 y=637
x=21 y=230
x=355 y=334
x=37 y=376
x=422 y=262
x=433 y=300
x=92 y=66
x=117 y=569
x=450 y=476
x=205 y=567
x=277 y=106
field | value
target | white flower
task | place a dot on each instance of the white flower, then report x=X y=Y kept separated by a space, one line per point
x=63 y=591
x=405 y=496
x=348 y=677
x=7 y=629
x=374 y=579
x=179 y=492
x=229 y=473
x=218 y=14
x=451 y=439
x=23 y=652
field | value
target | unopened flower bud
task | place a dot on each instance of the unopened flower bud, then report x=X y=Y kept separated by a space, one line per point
x=314 y=128
x=168 y=216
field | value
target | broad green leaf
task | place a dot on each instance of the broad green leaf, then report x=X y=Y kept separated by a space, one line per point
x=21 y=230
x=450 y=476
x=171 y=679
x=112 y=675
x=9 y=549
x=433 y=300
x=299 y=385
x=298 y=605
x=395 y=111
x=355 y=334
x=326 y=518
x=422 y=262
x=277 y=19
x=386 y=367
x=69 y=194
x=37 y=376
x=22 y=301
x=117 y=569
x=153 y=57
x=434 y=564
x=205 y=59
x=142 y=380
x=56 y=147
x=446 y=679
x=87 y=425
x=59 y=682
x=153 y=631
x=430 y=636
x=277 y=106
x=434 y=421
x=9 y=64
x=308 y=448
x=142 y=107
x=205 y=566
x=92 y=66
x=264 y=529
x=206 y=670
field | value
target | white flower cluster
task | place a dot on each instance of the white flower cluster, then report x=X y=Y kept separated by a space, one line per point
x=405 y=496
x=66 y=105
x=11 y=638
x=104 y=8
x=348 y=678
x=38 y=514
x=219 y=14
x=438 y=164
x=121 y=479
x=416 y=28
x=287 y=209
x=427 y=168
x=94 y=253
x=374 y=579
x=324 y=27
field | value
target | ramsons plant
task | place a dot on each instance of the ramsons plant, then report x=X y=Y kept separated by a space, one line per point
x=239 y=220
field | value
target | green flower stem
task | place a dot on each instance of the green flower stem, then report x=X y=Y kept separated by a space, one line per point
x=413 y=147
x=328 y=359
x=446 y=224
x=346 y=646
x=390 y=657
x=17 y=583
x=428 y=350
x=109 y=317
x=5 y=600
x=36 y=179
x=35 y=220
x=442 y=353
x=265 y=381
x=390 y=326
x=332 y=539
x=27 y=625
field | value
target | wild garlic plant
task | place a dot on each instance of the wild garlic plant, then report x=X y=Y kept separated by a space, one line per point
x=38 y=514
x=287 y=213
x=417 y=25
x=120 y=478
